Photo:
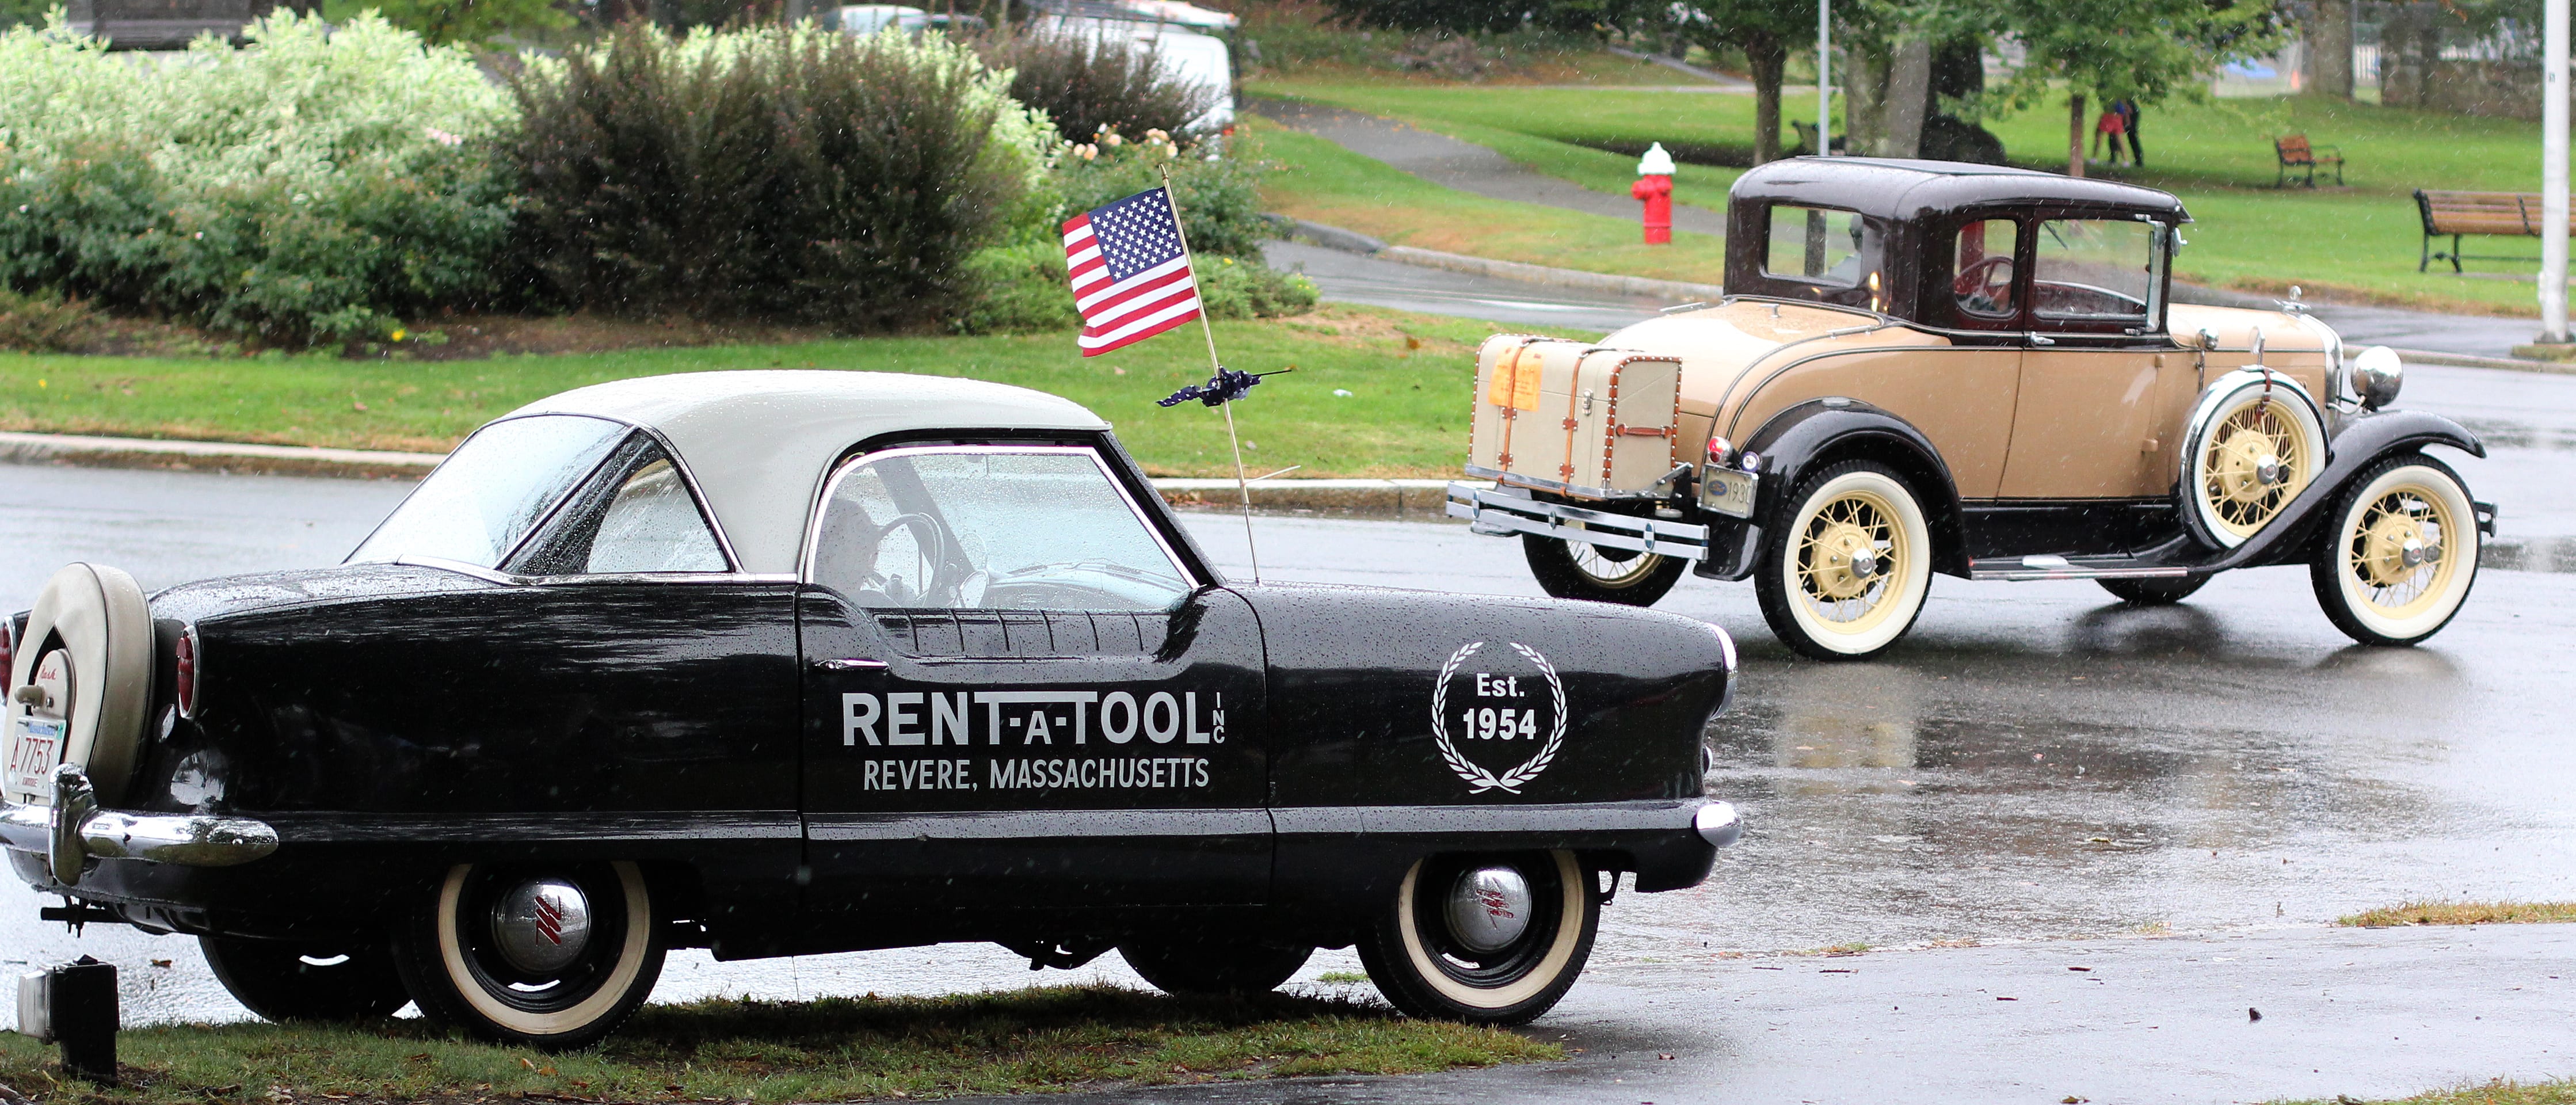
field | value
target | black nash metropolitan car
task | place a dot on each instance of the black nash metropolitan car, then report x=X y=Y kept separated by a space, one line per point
x=781 y=663
x=1924 y=367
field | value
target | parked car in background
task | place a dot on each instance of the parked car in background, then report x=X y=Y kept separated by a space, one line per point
x=780 y=663
x=1938 y=368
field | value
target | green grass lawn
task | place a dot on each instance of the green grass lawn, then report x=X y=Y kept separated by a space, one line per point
x=1408 y=377
x=2361 y=241
x=1321 y=181
x=2498 y=1092
x=835 y=1049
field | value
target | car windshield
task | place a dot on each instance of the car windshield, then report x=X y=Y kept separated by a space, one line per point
x=992 y=528
x=495 y=488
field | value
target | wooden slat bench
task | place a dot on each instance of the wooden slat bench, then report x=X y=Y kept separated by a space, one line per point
x=2455 y=214
x=2294 y=152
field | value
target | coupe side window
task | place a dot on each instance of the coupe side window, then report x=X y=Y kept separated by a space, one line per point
x=990 y=528
x=2094 y=270
x=1818 y=245
x=1982 y=280
x=638 y=517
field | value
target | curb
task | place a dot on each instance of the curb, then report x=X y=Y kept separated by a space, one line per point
x=1412 y=499
x=1352 y=241
x=2465 y=360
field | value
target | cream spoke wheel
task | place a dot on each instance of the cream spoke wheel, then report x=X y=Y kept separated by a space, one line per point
x=2253 y=446
x=1612 y=567
x=1847 y=570
x=2402 y=555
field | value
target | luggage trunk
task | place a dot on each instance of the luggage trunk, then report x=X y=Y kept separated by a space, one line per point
x=1567 y=416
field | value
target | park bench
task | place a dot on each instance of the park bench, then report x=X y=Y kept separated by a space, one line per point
x=2455 y=214
x=2294 y=152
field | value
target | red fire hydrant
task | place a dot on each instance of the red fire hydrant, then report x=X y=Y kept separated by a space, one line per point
x=1655 y=186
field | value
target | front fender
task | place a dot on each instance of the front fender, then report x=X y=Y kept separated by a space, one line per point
x=2365 y=439
x=1805 y=438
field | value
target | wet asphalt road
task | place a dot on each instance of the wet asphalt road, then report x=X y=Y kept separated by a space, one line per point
x=2180 y=798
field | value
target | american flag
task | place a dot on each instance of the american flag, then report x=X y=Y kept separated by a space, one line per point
x=1131 y=277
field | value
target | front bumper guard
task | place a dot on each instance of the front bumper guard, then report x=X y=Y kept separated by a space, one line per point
x=73 y=830
x=1718 y=824
x=1499 y=512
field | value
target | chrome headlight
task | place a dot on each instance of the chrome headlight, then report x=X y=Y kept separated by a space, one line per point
x=2376 y=376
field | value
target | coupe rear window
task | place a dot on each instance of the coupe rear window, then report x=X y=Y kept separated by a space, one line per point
x=1818 y=245
x=495 y=488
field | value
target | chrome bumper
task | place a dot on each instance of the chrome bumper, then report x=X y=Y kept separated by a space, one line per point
x=1499 y=512
x=74 y=830
x=1718 y=824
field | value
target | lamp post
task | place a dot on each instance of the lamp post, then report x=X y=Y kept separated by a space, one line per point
x=1825 y=76
x=2553 y=173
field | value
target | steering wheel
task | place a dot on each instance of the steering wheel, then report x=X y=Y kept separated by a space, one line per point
x=932 y=539
x=1980 y=274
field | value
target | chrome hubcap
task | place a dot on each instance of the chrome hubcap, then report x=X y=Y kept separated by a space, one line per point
x=541 y=926
x=2268 y=470
x=1489 y=908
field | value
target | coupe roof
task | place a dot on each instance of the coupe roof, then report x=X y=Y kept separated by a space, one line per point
x=1907 y=189
x=758 y=443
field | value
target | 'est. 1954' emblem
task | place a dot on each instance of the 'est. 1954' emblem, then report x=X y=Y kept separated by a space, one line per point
x=1523 y=701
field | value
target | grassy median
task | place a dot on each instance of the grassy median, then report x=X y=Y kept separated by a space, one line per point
x=836 y=1049
x=1376 y=393
x=2498 y=1092
x=2464 y=913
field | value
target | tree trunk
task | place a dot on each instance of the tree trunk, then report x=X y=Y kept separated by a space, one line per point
x=1864 y=84
x=2075 y=134
x=1769 y=59
x=1908 y=100
x=2329 y=41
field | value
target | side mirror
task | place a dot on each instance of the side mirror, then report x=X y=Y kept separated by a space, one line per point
x=2377 y=374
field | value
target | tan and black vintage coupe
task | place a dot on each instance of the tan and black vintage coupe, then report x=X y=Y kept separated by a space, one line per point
x=1924 y=367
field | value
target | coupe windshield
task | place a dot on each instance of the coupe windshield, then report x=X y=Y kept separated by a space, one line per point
x=495 y=488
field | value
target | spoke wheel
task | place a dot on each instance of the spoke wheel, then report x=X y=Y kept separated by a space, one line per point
x=2255 y=450
x=1846 y=571
x=554 y=956
x=1485 y=939
x=1578 y=570
x=2402 y=556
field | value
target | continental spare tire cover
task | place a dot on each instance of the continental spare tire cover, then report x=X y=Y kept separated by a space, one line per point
x=95 y=618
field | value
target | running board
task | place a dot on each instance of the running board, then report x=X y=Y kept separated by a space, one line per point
x=1499 y=513
x=2022 y=569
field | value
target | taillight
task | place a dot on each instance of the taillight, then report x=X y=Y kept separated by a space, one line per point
x=186 y=682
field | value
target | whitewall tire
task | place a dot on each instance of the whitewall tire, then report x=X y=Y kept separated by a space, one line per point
x=1846 y=568
x=2253 y=444
x=2401 y=553
x=1484 y=939
x=554 y=956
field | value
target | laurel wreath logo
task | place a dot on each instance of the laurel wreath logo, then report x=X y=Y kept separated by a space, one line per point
x=1480 y=780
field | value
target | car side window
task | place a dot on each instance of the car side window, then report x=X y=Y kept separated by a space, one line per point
x=1000 y=527
x=639 y=517
x=1981 y=280
x=1818 y=245
x=2093 y=270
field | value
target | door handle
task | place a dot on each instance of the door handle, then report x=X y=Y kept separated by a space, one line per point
x=2038 y=340
x=853 y=663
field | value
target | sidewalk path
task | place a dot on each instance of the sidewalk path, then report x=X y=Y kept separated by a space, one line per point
x=1465 y=166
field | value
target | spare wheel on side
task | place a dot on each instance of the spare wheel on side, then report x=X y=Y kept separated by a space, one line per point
x=91 y=634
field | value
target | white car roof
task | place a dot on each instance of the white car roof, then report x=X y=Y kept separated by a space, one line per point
x=758 y=443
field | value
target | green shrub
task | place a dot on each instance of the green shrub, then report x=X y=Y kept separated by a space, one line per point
x=1229 y=288
x=1017 y=289
x=1216 y=182
x=1086 y=83
x=308 y=186
x=797 y=175
x=41 y=323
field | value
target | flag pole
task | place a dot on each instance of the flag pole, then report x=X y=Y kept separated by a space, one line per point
x=1242 y=486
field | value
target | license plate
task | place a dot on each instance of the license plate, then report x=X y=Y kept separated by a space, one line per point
x=1726 y=491
x=32 y=757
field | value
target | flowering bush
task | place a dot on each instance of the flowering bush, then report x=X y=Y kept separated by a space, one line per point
x=1217 y=184
x=768 y=172
x=308 y=186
